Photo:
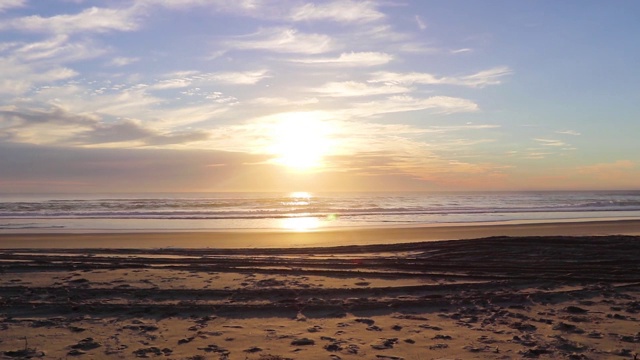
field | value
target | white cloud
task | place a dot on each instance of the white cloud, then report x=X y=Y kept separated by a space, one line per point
x=568 y=132
x=486 y=77
x=171 y=84
x=282 y=101
x=221 y=5
x=59 y=49
x=461 y=51
x=421 y=24
x=443 y=129
x=283 y=40
x=8 y=4
x=93 y=19
x=417 y=48
x=130 y=102
x=479 y=80
x=437 y=104
x=8 y=46
x=537 y=155
x=550 y=142
x=340 y=11
x=123 y=61
x=405 y=78
x=382 y=33
x=353 y=88
x=351 y=59
x=239 y=77
x=188 y=78
x=17 y=78
x=133 y=102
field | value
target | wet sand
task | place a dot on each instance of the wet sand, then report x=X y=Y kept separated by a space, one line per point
x=312 y=238
x=552 y=297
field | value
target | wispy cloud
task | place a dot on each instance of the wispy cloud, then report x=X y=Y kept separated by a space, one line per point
x=537 y=155
x=9 y=4
x=184 y=79
x=341 y=11
x=282 y=101
x=17 y=78
x=135 y=102
x=450 y=128
x=436 y=104
x=461 y=51
x=353 y=88
x=477 y=80
x=350 y=59
x=93 y=19
x=421 y=24
x=238 y=77
x=60 y=49
x=218 y=4
x=568 y=132
x=123 y=61
x=176 y=83
x=283 y=40
x=381 y=32
x=486 y=77
x=550 y=142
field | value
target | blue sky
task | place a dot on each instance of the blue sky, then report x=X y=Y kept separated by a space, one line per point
x=194 y=95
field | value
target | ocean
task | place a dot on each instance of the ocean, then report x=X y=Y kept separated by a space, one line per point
x=302 y=210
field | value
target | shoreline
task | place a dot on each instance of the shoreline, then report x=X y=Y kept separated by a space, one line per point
x=314 y=238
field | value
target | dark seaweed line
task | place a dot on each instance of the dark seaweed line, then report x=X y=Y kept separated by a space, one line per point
x=203 y=294
x=622 y=271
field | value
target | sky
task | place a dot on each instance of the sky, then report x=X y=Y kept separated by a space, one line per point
x=294 y=95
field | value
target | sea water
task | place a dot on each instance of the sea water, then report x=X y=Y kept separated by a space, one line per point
x=303 y=210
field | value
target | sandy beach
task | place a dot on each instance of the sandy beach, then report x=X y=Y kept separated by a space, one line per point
x=573 y=295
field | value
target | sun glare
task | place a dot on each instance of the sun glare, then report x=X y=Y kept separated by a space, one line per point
x=301 y=141
x=306 y=223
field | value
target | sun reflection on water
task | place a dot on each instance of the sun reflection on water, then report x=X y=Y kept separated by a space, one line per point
x=300 y=220
x=306 y=223
x=300 y=195
x=298 y=198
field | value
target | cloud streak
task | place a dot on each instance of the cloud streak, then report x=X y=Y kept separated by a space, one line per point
x=345 y=11
x=283 y=40
x=353 y=89
x=435 y=104
x=350 y=59
x=94 y=19
x=478 y=80
x=10 y=4
x=550 y=142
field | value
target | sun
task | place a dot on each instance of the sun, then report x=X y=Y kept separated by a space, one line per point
x=301 y=140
